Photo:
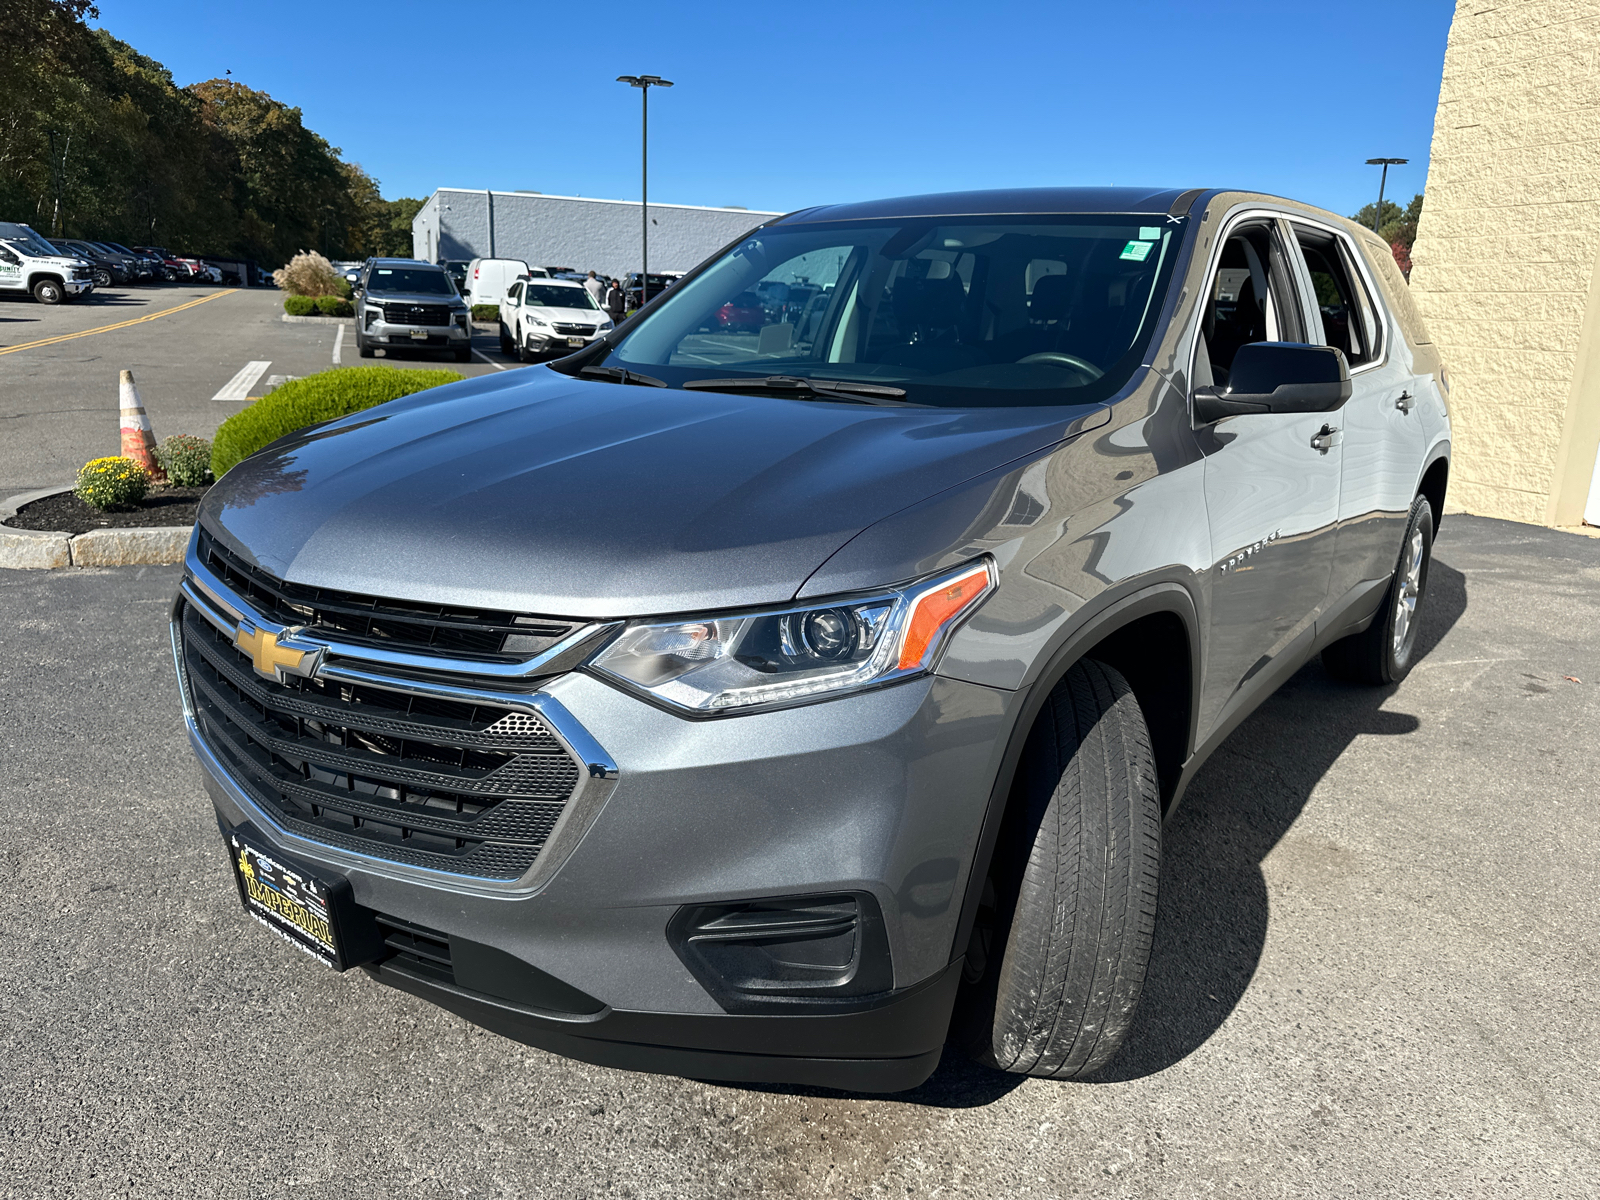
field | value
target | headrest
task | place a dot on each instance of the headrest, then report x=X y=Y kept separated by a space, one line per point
x=1052 y=294
x=930 y=303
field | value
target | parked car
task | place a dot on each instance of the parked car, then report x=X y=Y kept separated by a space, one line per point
x=488 y=279
x=177 y=269
x=779 y=713
x=150 y=265
x=541 y=317
x=30 y=264
x=405 y=302
x=456 y=268
x=742 y=314
x=107 y=268
x=632 y=290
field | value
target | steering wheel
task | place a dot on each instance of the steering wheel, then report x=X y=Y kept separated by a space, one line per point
x=1057 y=358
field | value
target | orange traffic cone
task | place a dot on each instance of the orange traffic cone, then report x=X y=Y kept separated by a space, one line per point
x=138 y=439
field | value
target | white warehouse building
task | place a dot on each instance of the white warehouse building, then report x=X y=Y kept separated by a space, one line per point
x=571 y=231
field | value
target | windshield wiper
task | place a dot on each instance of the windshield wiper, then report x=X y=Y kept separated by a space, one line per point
x=622 y=375
x=828 y=389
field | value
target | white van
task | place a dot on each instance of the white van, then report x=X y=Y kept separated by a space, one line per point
x=488 y=278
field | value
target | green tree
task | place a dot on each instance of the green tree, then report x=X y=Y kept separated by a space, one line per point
x=1398 y=225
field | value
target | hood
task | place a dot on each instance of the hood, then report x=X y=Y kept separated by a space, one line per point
x=549 y=312
x=540 y=493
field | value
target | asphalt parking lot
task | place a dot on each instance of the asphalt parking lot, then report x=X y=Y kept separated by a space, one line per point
x=185 y=345
x=1374 y=973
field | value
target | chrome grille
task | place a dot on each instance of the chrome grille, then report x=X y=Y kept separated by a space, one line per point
x=442 y=630
x=416 y=314
x=469 y=788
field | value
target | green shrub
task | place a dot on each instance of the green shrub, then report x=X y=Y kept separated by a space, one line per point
x=334 y=306
x=185 y=459
x=112 y=482
x=344 y=287
x=485 y=312
x=320 y=397
x=299 y=306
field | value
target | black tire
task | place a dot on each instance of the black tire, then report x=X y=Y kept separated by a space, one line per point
x=1387 y=650
x=48 y=291
x=364 y=350
x=1071 y=894
x=507 y=346
x=464 y=355
x=523 y=353
x=102 y=278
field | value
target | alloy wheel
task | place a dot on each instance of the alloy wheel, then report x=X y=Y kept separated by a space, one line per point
x=1405 y=604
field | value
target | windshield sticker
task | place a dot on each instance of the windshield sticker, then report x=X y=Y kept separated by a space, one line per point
x=382 y=271
x=1150 y=233
x=1136 y=251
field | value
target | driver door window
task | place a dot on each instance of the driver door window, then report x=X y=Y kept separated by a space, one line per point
x=1251 y=299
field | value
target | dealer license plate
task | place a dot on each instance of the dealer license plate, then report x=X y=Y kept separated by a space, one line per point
x=575 y=342
x=419 y=335
x=315 y=916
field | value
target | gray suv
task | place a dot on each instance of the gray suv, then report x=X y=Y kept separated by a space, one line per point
x=402 y=302
x=782 y=703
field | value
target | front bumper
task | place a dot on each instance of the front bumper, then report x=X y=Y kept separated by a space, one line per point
x=549 y=342
x=384 y=333
x=882 y=794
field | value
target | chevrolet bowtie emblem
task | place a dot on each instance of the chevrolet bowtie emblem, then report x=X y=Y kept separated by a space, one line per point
x=268 y=657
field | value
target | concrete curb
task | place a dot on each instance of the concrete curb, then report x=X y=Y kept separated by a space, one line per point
x=317 y=320
x=45 y=549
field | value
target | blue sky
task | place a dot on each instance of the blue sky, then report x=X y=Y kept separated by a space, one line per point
x=783 y=106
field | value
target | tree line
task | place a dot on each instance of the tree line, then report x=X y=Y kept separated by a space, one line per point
x=97 y=141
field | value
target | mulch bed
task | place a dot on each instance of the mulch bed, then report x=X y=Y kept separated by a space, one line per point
x=65 y=513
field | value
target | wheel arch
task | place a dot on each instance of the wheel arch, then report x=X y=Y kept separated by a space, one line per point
x=1152 y=638
x=1435 y=479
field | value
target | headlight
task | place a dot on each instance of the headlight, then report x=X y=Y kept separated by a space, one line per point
x=539 y=321
x=606 y=323
x=782 y=656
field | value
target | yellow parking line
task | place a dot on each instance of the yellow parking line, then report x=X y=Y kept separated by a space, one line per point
x=67 y=337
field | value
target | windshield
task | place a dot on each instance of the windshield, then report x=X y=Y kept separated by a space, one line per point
x=550 y=295
x=34 y=246
x=958 y=311
x=418 y=280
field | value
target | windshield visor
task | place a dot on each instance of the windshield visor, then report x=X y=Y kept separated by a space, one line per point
x=415 y=280
x=959 y=311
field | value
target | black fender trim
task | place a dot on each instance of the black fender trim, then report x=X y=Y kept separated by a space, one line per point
x=1146 y=600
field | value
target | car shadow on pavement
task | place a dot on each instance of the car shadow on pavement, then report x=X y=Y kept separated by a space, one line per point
x=1212 y=924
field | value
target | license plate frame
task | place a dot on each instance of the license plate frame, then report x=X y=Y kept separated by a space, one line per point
x=577 y=341
x=419 y=335
x=315 y=914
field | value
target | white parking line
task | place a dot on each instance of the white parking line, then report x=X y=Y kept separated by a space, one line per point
x=238 y=388
x=338 y=344
x=487 y=359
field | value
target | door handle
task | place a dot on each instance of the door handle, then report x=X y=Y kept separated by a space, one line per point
x=1324 y=439
x=1405 y=402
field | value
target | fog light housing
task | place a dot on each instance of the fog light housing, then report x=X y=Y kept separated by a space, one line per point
x=757 y=955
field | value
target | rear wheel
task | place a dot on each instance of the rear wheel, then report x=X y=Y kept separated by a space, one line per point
x=1071 y=896
x=48 y=291
x=1386 y=651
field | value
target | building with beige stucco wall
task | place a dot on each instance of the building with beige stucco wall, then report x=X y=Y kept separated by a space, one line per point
x=1506 y=267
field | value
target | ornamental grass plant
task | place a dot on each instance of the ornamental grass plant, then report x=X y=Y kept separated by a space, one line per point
x=112 y=482
x=309 y=401
x=310 y=274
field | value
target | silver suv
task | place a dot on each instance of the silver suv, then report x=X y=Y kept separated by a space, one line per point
x=402 y=302
x=774 y=691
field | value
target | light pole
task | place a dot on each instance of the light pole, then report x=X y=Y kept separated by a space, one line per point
x=1385 y=163
x=644 y=83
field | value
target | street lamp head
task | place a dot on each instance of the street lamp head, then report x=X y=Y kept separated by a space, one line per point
x=644 y=81
x=1386 y=162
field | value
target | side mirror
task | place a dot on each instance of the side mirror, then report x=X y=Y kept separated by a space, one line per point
x=1277 y=377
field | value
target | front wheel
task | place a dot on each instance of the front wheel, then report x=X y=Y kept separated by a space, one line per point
x=463 y=354
x=362 y=348
x=523 y=353
x=507 y=346
x=48 y=291
x=1387 y=650
x=1071 y=895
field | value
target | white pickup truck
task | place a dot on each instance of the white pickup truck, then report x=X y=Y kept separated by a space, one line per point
x=28 y=263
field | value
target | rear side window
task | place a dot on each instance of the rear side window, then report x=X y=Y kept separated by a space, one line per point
x=1348 y=319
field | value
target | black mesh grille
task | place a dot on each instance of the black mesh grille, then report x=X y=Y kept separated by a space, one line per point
x=470 y=788
x=572 y=330
x=468 y=633
x=416 y=314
